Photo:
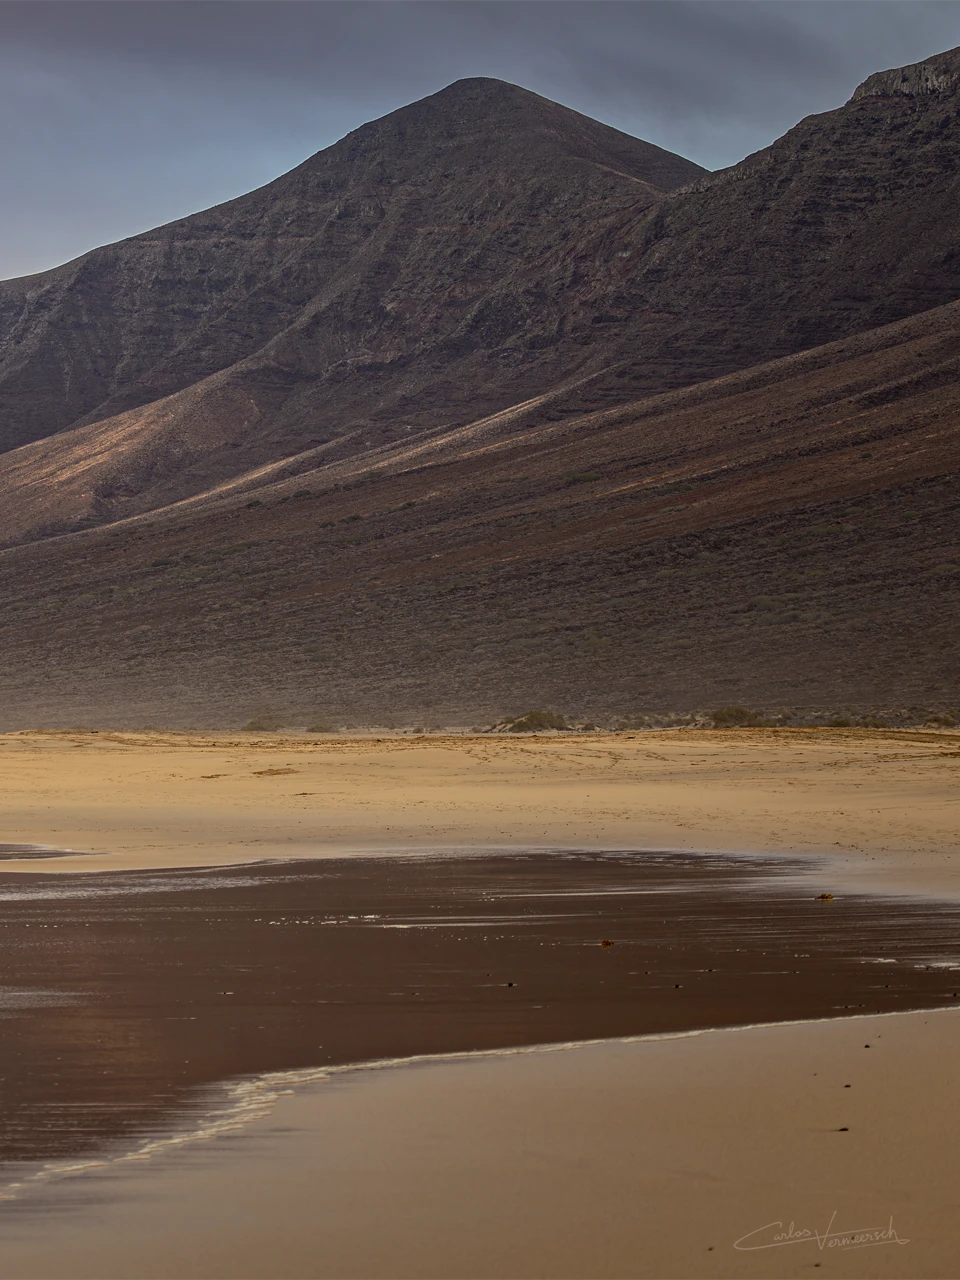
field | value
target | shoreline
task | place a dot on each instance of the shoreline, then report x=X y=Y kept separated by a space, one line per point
x=274 y=1085
x=798 y=1125
x=838 y=871
x=182 y=979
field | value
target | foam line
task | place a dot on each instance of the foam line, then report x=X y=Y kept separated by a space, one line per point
x=253 y=1098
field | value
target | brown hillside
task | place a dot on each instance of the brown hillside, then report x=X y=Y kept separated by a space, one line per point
x=786 y=535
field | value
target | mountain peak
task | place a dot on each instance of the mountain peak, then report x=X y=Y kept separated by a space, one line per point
x=936 y=75
x=490 y=86
x=473 y=103
x=476 y=101
x=481 y=115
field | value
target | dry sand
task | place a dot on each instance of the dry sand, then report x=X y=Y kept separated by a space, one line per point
x=886 y=802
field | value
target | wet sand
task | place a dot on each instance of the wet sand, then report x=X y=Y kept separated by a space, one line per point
x=142 y=1005
x=652 y=1159
x=883 y=802
x=125 y=997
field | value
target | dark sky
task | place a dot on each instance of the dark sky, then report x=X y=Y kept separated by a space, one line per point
x=115 y=117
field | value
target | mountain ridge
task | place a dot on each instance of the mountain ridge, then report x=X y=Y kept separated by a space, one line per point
x=536 y=433
x=372 y=308
x=936 y=75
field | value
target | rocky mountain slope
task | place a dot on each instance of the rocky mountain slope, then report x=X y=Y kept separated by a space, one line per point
x=395 y=241
x=788 y=535
x=464 y=254
x=458 y=419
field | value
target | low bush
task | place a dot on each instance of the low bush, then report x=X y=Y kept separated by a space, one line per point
x=265 y=723
x=634 y=722
x=535 y=722
x=733 y=717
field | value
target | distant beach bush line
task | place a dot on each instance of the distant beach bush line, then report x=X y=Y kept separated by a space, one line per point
x=732 y=716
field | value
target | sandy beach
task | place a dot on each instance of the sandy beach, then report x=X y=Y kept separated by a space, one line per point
x=620 y=1159
x=885 y=803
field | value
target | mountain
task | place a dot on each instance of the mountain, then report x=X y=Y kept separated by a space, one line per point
x=464 y=254
x=396 y=240
x=489 y=406
x=788 y=535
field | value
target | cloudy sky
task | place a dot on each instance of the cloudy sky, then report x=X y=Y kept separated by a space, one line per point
x=115 y=117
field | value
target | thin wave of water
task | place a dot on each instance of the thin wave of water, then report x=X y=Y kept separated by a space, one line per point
x=35 y=998
x=210 y=934
x=253 y=1098
x=102 y=884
